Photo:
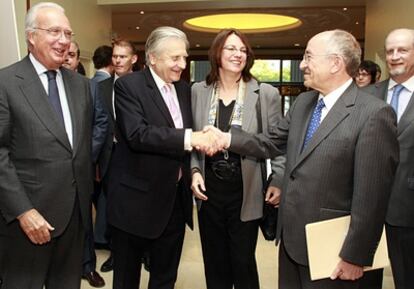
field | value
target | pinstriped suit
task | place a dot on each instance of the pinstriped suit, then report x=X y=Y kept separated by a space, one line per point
x=400 y=215
x=347 y=168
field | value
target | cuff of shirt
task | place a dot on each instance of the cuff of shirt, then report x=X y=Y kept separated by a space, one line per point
x=187 y=139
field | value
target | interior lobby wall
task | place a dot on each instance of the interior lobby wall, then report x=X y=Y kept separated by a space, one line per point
x=382 y=16
x=91 y=23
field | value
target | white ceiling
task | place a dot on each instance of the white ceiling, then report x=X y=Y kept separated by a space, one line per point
x=316 y=16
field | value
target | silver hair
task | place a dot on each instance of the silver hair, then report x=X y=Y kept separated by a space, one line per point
x=344 y=43
x=157 y=36
x=31 y=16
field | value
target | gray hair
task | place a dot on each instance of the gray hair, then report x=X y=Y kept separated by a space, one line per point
x=157 y=36
x=31 y=16
x=344 y=43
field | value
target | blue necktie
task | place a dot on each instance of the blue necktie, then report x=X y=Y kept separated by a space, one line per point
x=54 y=98
x=395 y=96
x=314 y=122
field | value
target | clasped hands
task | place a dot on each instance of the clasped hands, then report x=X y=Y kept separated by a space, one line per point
x=210 y=140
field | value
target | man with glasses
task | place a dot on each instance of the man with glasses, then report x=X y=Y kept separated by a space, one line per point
x=45 y=159
x=341 y=154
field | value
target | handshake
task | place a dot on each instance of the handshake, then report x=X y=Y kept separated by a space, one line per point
x=210 y=140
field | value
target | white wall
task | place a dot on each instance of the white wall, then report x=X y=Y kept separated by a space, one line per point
x=91 y=23
x=9 y=48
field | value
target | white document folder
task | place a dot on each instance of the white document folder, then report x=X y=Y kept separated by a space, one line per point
x=324 y=242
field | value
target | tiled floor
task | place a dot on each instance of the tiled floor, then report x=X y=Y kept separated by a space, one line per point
x=191 y=272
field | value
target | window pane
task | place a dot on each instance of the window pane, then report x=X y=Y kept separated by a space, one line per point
x=266 y=70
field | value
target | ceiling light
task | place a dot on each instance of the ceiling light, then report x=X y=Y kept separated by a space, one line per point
x=141 y=12
x=296 y=44
x=246 y=22
x=137 y=28
x=197 y=45
x=345 y=9
x=357 y=23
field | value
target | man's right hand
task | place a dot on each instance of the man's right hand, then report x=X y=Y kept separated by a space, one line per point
x=35 y=227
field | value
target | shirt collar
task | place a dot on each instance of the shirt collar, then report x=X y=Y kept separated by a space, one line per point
x=39 y=67
x=158 y=80
x=331 y=98
x=408 y=84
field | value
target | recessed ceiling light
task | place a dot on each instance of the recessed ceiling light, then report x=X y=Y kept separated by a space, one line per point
x=345 y=9
x=246 y=22
x=197 y=45
x=137 y=28
x=357 y=23
x=141 y=12
x=296 y=44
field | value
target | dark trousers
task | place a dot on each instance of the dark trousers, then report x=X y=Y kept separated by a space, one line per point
x=295 y=276
x=57 y=264
x=89 y=255
x=228 y=244
x=165 y=253
x=400 y=241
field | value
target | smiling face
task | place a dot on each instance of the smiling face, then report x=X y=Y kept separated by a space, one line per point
x=169 y=59
x=316 y=64
x=233 y=55
x=399 y=51
x=48 y=49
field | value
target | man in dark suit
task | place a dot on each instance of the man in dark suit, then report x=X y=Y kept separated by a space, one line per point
x=149 y=198
x=341 y=154
x=398 y=91
x=123 y=58
x=99 y=131
x=45 y=159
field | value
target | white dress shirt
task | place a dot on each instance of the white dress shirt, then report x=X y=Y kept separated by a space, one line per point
x=41 y=72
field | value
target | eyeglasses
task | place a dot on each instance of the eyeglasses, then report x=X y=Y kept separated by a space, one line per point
x=308 y=57
x=233 y=50
x=363 y=74
x=56 y=32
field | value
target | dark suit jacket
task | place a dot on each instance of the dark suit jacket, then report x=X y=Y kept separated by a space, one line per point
x=401 y=205
x=105 y=89
x=100 y=116
x=38 y=167
x=146 y=162
x=347 y=168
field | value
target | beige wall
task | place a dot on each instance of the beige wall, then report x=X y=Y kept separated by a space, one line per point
x=382 y=16
x=91 y=23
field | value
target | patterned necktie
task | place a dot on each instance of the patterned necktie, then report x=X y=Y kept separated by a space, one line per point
x=172 y=106
x=54 y=98
x=395 y=96
x=314 y=122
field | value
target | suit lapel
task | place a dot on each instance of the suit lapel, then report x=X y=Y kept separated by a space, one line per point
x=157 y=97
x=107 y=93
x=407 y=117
x=37 y=98
x=203 y=105
x=336 y=115
x=183 y=101
x=249 y=104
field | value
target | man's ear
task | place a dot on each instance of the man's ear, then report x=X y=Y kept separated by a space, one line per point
x=134 y=59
